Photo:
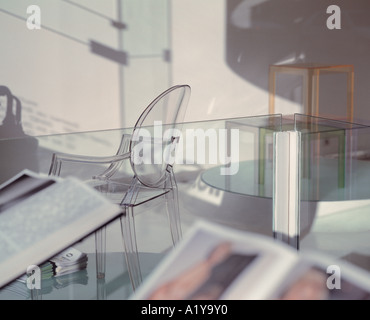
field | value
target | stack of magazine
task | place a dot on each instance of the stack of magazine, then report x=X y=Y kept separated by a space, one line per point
x=63 y=269
x=70 y=260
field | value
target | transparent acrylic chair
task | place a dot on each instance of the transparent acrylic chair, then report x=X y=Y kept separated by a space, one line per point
x=151 y=159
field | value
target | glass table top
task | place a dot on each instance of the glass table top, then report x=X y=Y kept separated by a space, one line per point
x=327 y=189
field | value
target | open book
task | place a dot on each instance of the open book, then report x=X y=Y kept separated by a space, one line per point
x=217 y=262
x=40 y=216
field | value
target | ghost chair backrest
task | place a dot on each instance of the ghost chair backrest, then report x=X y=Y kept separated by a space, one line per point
x=149 y=148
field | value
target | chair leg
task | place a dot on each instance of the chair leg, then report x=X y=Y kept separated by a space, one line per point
x=130 y=244
x=101 y=289
x=36 y=294
x=172 y=207
x=173 y=214
x=100 y=248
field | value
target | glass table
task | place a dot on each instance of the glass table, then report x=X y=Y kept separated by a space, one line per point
x=334 y=198
x=333 y=171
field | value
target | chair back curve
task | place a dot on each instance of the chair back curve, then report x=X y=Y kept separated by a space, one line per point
x=152 y=137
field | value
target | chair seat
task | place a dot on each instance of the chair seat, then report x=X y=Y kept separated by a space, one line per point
x=115 y=189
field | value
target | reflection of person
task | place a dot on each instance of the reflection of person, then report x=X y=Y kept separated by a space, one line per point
x=310 y=286
x=208 y=278
x=6 y=103
x=11 y=126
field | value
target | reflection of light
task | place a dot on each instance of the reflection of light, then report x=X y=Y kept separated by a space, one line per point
x=211 y=106
x=202 y=191
x=289 y=59
x=326 y=208
x=302 y=56
x=292 y=58
x=241 y=17
x=240 y=57
x=298 y=20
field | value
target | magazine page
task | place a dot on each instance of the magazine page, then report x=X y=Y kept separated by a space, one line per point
x=48 y=216
x=320 y=277
x=218 y=262
x=21 y=186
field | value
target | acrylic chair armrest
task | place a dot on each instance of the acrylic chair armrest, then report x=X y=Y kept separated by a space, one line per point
x=114 y=166
x=115 y=161
x=59 y=158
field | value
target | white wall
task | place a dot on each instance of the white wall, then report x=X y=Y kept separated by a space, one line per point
x=199 y=31
x=62 y=86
